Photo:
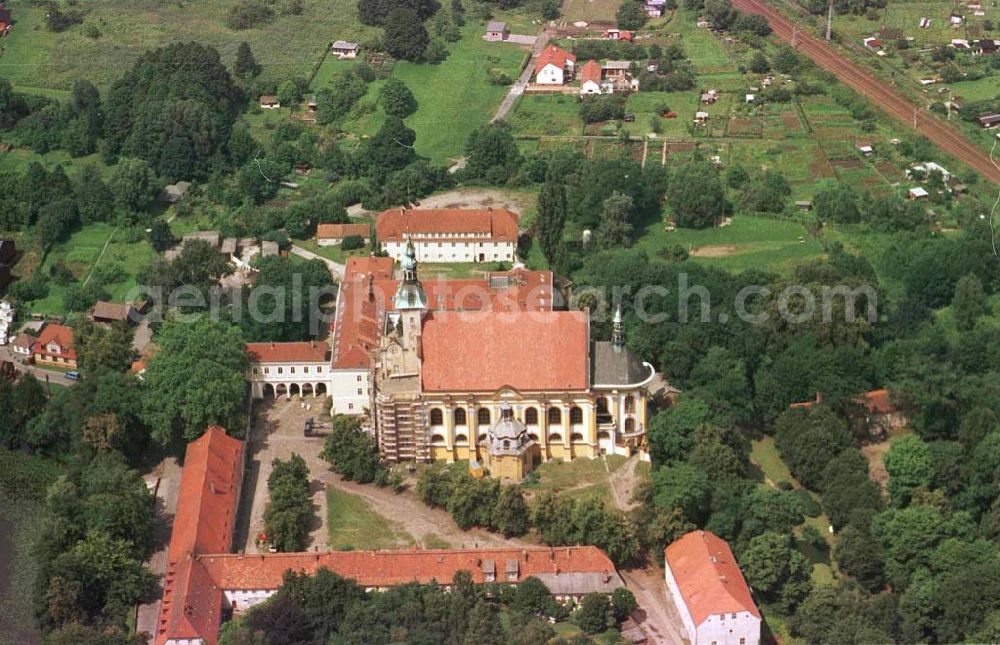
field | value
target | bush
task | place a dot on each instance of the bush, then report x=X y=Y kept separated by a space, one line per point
x=595 y=109
x=352 y=242
x=248 y=13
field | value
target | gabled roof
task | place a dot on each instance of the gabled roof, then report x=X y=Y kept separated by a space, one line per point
x=23 y=341
x=111 y=310
x=340 y=231
x=496 y=25
x=343 y=44
x=59 y=334
x=293 y=352
x=553 y=55
x=617 y=368
x=498 y=223
x=591 y=71
x=528 y=351
x=206 y=514
x=709 y=579
x=388 y=568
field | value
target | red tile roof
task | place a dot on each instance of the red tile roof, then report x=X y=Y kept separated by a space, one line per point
x=356 y=328
x=59 y=334
x=555 y=56
x=206 y=512
x=499 y=224
x=878 y=402
x=591 y=71
x=298 y=352
x=388 y=568
x=23 y=341
x=525 y=350
x=709 y=579
x=340 y=231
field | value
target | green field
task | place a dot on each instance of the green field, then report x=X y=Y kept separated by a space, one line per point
x=580 y=478
x=590 y=10
x=94 y=245
x=353 y=524
x=546 y=115
x=455 y=97
x=287 y=47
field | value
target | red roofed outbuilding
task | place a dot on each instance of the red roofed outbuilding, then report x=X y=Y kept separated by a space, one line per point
x=711 y=595
x=590 y=78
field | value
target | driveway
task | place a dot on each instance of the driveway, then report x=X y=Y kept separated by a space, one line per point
x=335 y=268
x=43 y=375
x=517 y=89
x=166 y=479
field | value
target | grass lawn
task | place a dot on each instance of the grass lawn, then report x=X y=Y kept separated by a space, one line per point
x=646 y=107
x=19 y=158
x=590 y=10
x=748 y=243
x=353 y=524
x=765 y=456
x=580 y=478
x=334 y=253
x=82 y=253
x=546 y=115
x=455 y=97
x=20 y=524
x=287 y=47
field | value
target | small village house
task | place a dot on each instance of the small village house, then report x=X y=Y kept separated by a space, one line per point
x=555 y=66
x=590 y=78
x=924 y=170
x=269 y=102
x=334 y=234
x=917 y=193
x=618 y=34
x=22 y=347
x=709 y=97
x=873 y=412
x=108 y=313
x=989 y=120
x=655 y=8
x=174 y=193
x=701 y=117
x=872 y=43
x=496 y=31
x=865 y=149
x=345 y=49
x=707 y=587
x=54 y=347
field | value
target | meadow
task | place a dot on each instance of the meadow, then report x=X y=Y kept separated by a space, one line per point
x=287 y=47
x=353 y=524
x=590 y=10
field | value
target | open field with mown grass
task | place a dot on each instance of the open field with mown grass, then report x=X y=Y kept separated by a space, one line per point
x=20 y=527
x=353 y=525
x=287 y=47
x=590 y=10
x=580 y=478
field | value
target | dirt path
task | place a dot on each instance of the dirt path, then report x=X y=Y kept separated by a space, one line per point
x=517 y=89
x=876 y=90
x=623 y=482
x=656 y=615
x=479 y=198
x=168 y=472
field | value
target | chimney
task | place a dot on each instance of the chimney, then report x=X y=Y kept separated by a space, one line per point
x=312 y=344
x=211 y=486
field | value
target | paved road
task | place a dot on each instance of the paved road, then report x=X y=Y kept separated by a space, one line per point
x=335 y=268
x=517 y=89
x=877 y=90
x=57 y=378
x=169 y=475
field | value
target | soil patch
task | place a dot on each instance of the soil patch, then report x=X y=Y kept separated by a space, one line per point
x=714 y=251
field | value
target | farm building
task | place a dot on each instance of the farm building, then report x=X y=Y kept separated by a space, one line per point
x=6 y=20
x=174 y=192
x=268 y=102
x=872 y=43
x=496 y=31
x=111 y=312
x=334 y=234
x=917 y=193
x=654 y=8
x=555 y=66
x=990 y=120
x=865 y=149
x=345 y=49
x=925 y=169
x=701 y=117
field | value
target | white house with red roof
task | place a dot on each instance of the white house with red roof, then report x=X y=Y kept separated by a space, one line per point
x=54 y=347
x=554 y=66
x=709 y=591
x=289 y=369
x=449 y=234
x=590 y=78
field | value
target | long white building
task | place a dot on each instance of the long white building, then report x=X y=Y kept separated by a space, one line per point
x=449 y=234
x=709 y=591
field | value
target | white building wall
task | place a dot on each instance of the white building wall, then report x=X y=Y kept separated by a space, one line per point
x=243 y=599
x=350 y=391
x=286 y=375
x=549 y=75
x=484 y=250
x=723 y=629
x=682 y=609
x=590 y=87
x=329 y=241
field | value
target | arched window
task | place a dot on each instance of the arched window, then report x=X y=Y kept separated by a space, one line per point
x=603 y=435
x=531 y=417
x=575 y=415
x=483 y=416
x=555 y=415
x=630 y=403
x=602 y=405
x=555 y=437
x=533 y=437
x=437 y=440
x=506 y=444
x=630 y=425
x=576 y=437
x=437 y=417
x=461 y=439
x=460 y=417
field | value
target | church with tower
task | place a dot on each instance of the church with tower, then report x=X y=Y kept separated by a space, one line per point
x=487 y=370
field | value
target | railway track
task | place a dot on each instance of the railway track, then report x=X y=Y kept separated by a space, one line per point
x=876 y=90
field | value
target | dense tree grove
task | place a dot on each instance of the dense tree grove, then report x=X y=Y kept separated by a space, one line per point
x=289 y=510
x=325 y=608
x=475 y=502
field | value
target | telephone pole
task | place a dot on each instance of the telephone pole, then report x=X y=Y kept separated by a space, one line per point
x=795 y=36
x=829 y=21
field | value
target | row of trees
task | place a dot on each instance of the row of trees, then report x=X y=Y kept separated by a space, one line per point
x=472 y=502
x=289 y=511
x=328 y=608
